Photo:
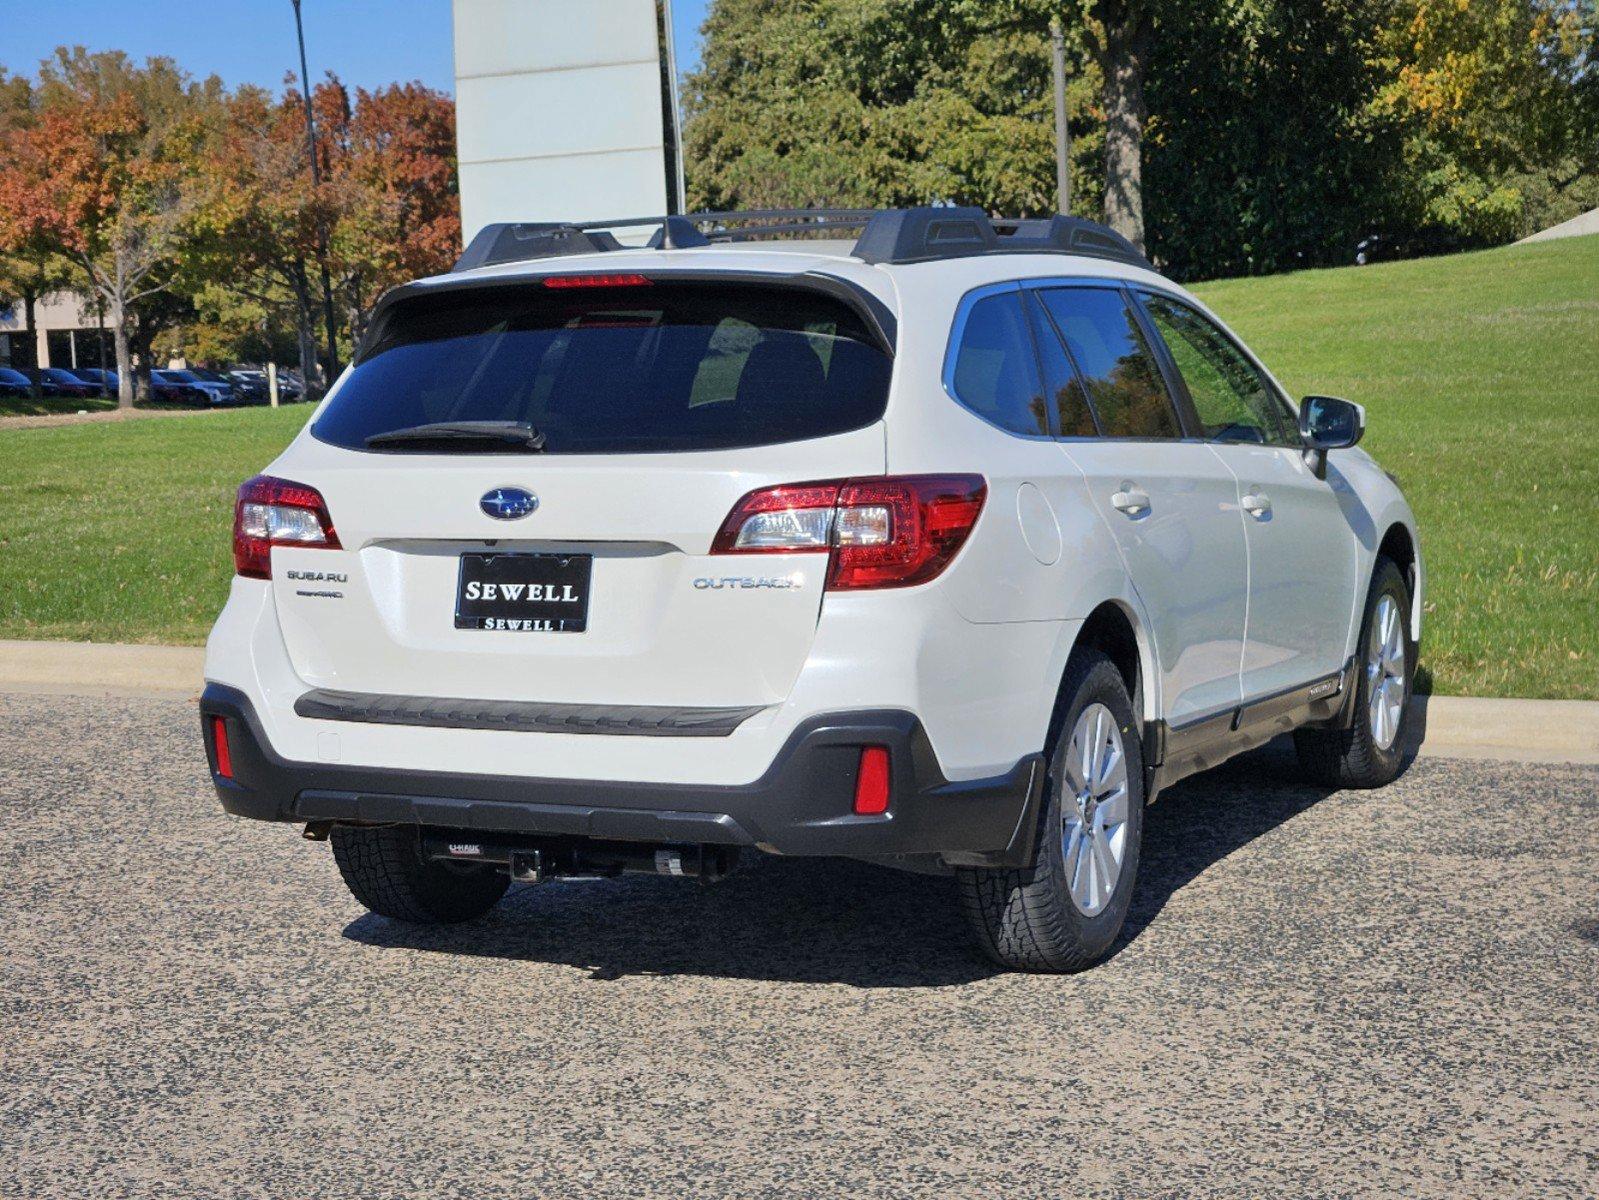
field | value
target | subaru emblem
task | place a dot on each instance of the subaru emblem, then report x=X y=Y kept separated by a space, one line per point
x=507 y=504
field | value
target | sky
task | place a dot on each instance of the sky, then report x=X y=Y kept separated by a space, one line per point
x=366 y=42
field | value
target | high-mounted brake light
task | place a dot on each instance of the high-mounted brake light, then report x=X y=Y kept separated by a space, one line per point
x=595 y=281
x=895 y=531
x=275 y=512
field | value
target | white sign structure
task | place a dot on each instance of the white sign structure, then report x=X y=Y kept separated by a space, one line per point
x=565 y=110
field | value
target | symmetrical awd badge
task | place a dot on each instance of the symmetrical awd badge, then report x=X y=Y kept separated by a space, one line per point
x=509 y=503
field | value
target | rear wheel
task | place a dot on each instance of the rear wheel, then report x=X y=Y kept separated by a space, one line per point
x=1370 y=752
x=384 y=869
x=1064 y=912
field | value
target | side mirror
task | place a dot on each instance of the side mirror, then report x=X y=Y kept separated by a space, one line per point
x=1328 y=423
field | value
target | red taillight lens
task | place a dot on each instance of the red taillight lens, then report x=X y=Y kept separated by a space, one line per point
x=274 y=512
x=219 y=736
x=595 y=281
x=891 y=532
x=871 y=781
x=900 y=532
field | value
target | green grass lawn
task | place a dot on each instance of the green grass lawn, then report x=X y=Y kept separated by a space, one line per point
x=51 y=406
x=1480 y=377
x=1479 y=372
x=122 y=531
x=31 y=406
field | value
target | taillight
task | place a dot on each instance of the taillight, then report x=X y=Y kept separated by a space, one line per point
x=895 y=531
x=274 y=512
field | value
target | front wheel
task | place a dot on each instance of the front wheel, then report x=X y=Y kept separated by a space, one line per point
x=1370 y=753
x=1063 y=913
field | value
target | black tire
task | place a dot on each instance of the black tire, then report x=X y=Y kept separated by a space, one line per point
x=1026 y=919
x=384 y=869
x=1353 y=757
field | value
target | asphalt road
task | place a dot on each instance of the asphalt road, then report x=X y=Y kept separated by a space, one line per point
x=1382 y=993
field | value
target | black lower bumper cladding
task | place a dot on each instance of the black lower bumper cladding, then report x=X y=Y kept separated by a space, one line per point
x=802 y=805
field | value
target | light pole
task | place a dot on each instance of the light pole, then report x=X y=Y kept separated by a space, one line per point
x=1063 y=171
x=316 y=188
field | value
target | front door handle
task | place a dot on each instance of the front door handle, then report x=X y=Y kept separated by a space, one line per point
x=1257 y=504
x=1131 y=499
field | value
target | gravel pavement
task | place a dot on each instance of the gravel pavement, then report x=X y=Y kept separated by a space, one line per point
x=1384 y=993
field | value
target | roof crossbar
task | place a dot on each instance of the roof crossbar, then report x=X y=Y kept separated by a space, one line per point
x=900 y=235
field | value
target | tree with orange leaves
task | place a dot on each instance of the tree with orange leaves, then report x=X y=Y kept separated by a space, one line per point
x=103 y=174
x=389 y=166
x=387 y=200
x=257 y=230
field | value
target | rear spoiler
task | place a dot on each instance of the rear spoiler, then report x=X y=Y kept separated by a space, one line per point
x=878 y=318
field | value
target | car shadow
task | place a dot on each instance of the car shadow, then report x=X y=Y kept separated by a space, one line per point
x=836 y=921
x=1200 y=821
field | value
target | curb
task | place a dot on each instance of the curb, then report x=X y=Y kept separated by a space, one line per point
x=101 y=669
x=1560 y=731
x=1552 y=731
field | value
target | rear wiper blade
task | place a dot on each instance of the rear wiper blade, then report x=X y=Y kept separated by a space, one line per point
x=515 y=433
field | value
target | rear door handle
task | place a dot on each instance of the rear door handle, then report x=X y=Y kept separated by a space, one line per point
x=1131 y=499
x=1257 y=504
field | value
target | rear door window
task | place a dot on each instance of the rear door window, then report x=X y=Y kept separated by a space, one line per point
x=1123 y=382
x=616 y=369
x=1073 y=419
x=994 y=372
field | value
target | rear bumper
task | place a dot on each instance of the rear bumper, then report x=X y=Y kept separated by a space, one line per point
x=802 y=805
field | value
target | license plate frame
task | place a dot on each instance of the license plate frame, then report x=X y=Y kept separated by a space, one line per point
x=564 y=582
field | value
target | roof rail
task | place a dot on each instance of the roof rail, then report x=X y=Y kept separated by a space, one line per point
x=896 y=235
x=911 y=235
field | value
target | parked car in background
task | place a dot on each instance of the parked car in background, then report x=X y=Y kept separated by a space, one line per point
x=249 y=386
x=291 y=386
x=206 y=375
x=68 y=384
x=52 y=382
x=105 y=382
x=186 y=387
x=14 y=384
x=1417 y=243
x=253 y=387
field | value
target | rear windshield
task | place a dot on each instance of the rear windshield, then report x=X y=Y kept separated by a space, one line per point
x=615 y=370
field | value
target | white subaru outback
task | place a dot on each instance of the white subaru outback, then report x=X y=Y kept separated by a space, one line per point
x=945 y=548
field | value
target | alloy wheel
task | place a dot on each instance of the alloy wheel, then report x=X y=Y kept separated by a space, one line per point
x=1385 y=672
x=1094 y=800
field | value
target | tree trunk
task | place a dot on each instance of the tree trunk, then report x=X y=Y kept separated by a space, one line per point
x=119 y=338
x=142 y=344
x=1123 y=59
x=29 y=331
x=304 y=326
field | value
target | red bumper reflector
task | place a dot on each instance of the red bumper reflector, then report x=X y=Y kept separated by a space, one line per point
x=219 y=735
x=871 y=781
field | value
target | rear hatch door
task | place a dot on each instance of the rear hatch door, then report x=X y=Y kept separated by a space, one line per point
x=549 y=539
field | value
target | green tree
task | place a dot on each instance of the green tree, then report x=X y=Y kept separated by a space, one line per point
x=1500 y=103
x=1265 y=152
x=1255 y=135
x=819 y=102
